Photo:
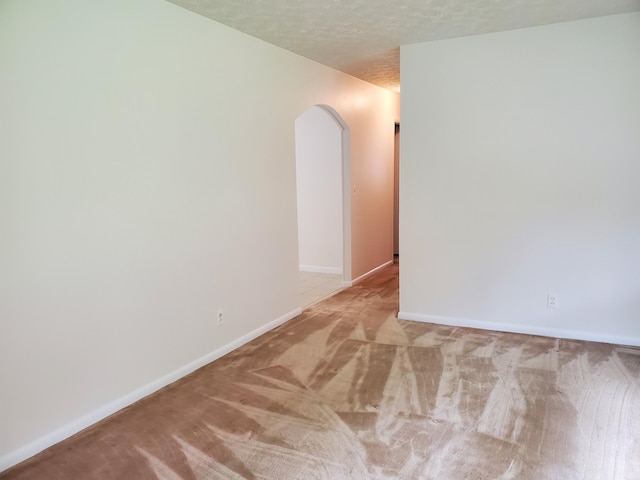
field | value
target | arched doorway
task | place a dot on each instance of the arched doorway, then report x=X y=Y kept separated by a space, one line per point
x=323 y=201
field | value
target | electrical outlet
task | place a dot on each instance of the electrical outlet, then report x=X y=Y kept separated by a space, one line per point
x=552 y=301
x=220 y=316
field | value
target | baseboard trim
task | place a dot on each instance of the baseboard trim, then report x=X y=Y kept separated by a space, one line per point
x=66 y=431
x=370 y=272
x=525 y=329
x=316 y=269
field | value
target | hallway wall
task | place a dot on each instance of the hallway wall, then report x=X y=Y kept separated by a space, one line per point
x=147 y=179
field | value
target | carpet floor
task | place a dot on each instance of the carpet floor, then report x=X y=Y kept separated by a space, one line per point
x=347 y=391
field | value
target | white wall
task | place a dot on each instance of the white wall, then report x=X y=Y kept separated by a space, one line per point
x=319 y=189
x=371 y=188
x=519 y=177
x=147 y=178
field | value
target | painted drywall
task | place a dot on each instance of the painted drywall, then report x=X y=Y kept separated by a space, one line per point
x=371 y=190
x=318 y=138
x=147 y=179
x=519 y=178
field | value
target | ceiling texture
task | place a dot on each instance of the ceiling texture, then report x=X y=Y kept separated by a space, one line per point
x=363 y=37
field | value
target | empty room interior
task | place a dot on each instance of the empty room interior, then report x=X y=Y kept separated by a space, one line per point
x=174 y=173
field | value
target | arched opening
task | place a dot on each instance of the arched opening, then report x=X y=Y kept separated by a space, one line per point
x=323 y=202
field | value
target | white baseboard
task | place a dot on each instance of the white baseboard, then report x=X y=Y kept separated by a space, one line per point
x=370 y=272
x=526 y=329
x=66 y=431
x=316 y=269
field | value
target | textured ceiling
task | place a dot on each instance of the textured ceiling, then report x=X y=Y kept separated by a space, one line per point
x=362 y=37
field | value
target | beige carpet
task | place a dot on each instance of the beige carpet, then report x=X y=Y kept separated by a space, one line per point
x=346 y=391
